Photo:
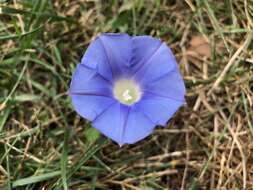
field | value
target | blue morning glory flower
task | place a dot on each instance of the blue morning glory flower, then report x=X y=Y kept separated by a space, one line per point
x=127 y=85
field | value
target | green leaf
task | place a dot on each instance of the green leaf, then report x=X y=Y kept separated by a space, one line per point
x=3 y=117
x=92 y=134
x=35 y=179
x=8 y=37
x=10 y=10
x=64 y=158
x=26 y=97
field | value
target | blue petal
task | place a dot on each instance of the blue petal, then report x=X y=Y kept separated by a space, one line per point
x=138 y=126
x=118 y=48
x=123 y=124
x=96 y=58
x=91 y=106
x=160 y=62
x=90 y=93
x=87 y=81
x=170 y=85
x=143 y=48
x=109 y=55
x=159 y=109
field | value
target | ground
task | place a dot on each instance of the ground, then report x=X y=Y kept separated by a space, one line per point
x=44 y=144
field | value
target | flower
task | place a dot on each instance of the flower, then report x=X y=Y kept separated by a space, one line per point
x=127 y=85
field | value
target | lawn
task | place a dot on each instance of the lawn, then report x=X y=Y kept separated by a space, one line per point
x=45 y=144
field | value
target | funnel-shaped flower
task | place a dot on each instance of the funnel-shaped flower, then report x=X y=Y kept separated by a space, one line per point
x=127 y=85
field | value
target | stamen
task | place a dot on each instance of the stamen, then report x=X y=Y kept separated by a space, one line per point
x=126 y=91
x=126 y=95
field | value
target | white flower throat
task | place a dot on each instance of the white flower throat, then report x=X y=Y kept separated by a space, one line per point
x=126 y=91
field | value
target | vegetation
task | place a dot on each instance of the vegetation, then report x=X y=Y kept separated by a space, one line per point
x=45 y=145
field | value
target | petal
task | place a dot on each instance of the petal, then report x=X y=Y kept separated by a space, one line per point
x=96 y=58
x=138 y=126
x=159 y=63
x=170 y=85
x=143 y=48
x=123 y=124
x=87 y=81
x=159 y=109
x=118 y=48
x=90 y=106
x=111 y=122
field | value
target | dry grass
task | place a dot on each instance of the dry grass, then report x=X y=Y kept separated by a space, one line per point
x=207 y=145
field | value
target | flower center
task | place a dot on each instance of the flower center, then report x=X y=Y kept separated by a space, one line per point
x=126 y=91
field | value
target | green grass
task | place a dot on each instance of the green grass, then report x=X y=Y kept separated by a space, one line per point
x=44 y=144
